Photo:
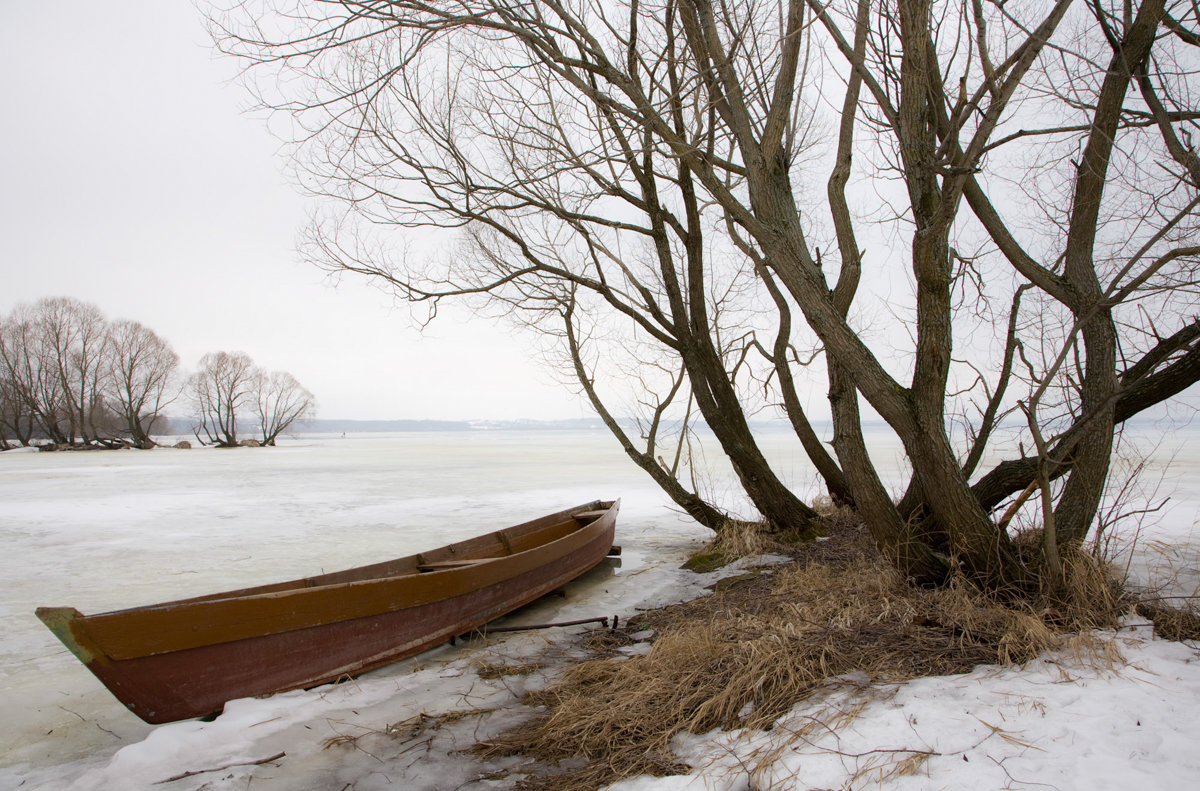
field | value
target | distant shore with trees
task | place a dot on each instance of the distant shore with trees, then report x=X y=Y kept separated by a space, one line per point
x=72 y=379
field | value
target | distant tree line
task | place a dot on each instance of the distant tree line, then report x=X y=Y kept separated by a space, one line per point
x=72 y=378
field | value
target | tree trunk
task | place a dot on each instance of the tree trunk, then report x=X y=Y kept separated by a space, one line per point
x=715 y=395
x=888 y=529
x=722 y=411
x=689 y=501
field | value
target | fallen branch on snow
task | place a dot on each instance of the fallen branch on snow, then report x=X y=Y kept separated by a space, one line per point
x=220 y=768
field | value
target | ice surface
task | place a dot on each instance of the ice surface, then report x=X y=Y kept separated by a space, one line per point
x=106 y=530
x=100 y=531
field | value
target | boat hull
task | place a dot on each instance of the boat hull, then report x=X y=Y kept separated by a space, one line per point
x=186 y=659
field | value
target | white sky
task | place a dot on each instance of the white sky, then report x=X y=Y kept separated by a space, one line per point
x=132 y=179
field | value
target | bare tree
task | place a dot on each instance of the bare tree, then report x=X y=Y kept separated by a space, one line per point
x=16 y=419
x=18 y=407
x=75 y=348
x=17 y=423
x=1016 y=187
x=49 y=352
x=9 y=413
x=141 y=378
x=222 y=387
x=280 y=401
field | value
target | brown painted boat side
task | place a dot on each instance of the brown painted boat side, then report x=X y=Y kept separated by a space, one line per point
x=162 y=629
x=271 y=638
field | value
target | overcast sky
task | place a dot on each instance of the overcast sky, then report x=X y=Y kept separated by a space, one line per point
x=132 y=179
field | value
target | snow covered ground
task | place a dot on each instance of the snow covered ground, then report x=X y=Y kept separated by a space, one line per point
x=107 y=530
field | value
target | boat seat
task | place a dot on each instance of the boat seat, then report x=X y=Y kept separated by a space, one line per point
x=588 y=515
x=439 y=565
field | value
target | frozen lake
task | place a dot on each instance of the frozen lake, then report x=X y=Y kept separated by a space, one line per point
x=106 y=530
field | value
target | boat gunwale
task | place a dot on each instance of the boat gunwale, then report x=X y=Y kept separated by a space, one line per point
x=301 y=584
x=349 y=584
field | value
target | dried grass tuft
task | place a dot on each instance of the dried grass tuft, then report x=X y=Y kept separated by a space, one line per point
x=1172 y=622
x=422 y=723
x=739 y=539
x=404 y=730
x=493 y=670
x=735 y=539
x=745 y=657
x=1172 y=601
x=1094 y=594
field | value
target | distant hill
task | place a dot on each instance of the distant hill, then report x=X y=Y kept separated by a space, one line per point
x=348 y=426
x=184 y=426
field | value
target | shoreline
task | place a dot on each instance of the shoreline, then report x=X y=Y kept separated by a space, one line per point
x=486 y=687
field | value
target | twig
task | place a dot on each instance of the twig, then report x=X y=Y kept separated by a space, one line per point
x=85 y=719
x=221 y=768
x=1016 y=504
x=490 y=629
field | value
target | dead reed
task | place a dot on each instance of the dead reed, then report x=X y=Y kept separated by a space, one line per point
x=745 y=656
x=1177 y=621
x=494 y=670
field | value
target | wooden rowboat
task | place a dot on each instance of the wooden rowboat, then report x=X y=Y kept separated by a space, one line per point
x=186 y=658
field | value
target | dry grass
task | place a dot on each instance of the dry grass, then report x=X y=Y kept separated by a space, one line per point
x=740 y=539
x=405 y=730
x=494 y=670
x=1172 y=622
x=734 y=540
x=1172 y=602
x=746 y=656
